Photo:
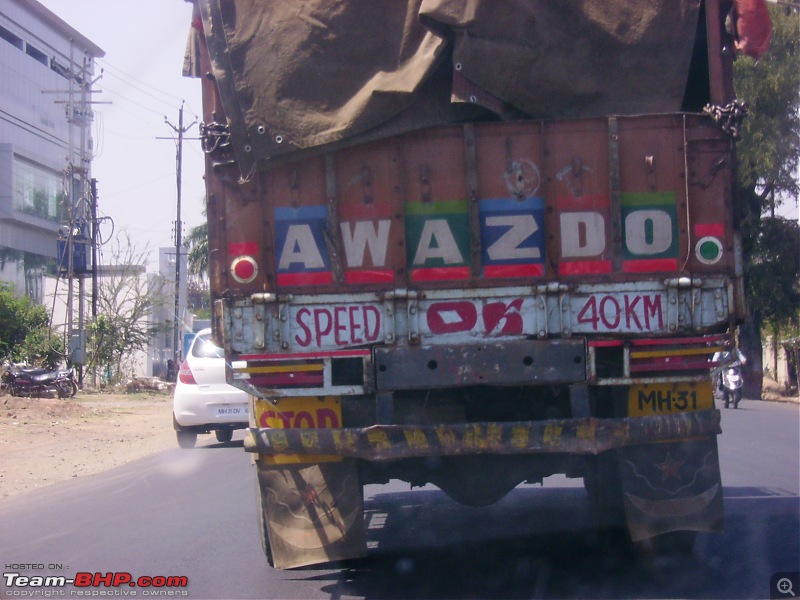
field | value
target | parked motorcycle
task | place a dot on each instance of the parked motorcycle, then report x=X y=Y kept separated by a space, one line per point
x=32 y=382
x=732 y=382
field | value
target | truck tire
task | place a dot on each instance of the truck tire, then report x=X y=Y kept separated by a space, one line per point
x=604 y=489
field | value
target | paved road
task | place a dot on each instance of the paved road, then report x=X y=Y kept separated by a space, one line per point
x=192 y=513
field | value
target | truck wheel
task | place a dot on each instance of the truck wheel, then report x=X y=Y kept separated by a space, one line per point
x=604 y=489
x=186 y=439
x=224 y=435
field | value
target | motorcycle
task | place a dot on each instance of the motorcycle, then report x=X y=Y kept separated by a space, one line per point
x=33 y=382
x=731 y=384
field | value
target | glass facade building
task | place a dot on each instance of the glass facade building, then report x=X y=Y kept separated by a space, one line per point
x=46 y=70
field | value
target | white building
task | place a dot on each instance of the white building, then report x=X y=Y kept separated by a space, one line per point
x=46 y=74
x=162 y=347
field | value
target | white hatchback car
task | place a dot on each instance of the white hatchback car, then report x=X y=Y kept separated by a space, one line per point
x=203 y=401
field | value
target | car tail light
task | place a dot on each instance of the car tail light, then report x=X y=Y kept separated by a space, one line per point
x=185 y=374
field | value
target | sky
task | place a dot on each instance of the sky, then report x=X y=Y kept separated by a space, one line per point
x=144 y=42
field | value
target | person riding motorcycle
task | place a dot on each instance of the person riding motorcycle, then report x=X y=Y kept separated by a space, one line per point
x=730 y=358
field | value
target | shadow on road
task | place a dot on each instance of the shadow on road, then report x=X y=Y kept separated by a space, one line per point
x=539 y=543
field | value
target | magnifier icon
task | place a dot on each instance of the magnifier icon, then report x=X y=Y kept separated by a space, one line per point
x=784 y=586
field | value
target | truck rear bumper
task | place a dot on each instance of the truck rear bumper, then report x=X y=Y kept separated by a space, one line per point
x=589 y=436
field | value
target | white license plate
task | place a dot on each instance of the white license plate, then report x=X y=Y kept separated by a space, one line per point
x=236 y=411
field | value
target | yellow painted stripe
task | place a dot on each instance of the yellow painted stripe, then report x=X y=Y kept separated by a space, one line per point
x=666 y=353
x=285 y=369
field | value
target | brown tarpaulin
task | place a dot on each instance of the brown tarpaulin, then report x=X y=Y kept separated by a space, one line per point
x=298 y=74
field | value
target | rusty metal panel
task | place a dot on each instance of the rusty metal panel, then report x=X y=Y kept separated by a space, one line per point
x=519 y=362
x=334 y=322
x=368 y=192
x=574 y=436
x=522 y=203
x=580 y=193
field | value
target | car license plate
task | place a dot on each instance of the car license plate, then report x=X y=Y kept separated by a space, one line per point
x=669 y=398
x=235 y=411
x=314 y=412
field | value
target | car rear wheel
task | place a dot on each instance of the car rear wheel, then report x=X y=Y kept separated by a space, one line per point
x=224 y=435
x=186 y=439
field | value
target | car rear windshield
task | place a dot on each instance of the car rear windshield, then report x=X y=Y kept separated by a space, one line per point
x=205 y=348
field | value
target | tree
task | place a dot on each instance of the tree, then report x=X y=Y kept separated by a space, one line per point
x=199 y=298
x=768 y=158
x=24 y=331
x=197 y=242
x=124 y=324
x=770 y=149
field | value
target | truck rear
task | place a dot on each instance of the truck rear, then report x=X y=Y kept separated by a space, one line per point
x=474 y=247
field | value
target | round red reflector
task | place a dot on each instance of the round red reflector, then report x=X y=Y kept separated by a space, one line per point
x=244 y=269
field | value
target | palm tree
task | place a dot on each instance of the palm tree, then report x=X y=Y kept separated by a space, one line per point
x=197 y=258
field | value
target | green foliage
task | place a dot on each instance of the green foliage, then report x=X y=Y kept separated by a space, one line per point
x=197 y=242
x=768 y=158
x=199 y=298
x=123 y=327
x=770 y=149
x=112 y=337
x=24 y=330
x=773 y=271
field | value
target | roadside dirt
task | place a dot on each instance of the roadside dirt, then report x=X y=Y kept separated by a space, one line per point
x=43 y=441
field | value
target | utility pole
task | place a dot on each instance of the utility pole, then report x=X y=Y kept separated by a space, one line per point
x=180 y=130
x=79 y=114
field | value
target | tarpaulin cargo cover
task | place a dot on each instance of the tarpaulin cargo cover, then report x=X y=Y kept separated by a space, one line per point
x=295 y=75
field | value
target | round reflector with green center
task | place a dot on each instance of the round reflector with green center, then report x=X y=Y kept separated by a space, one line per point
x=708 y=250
